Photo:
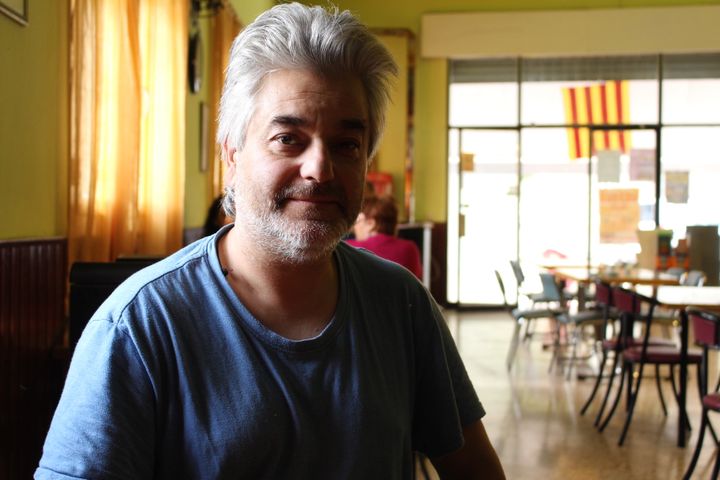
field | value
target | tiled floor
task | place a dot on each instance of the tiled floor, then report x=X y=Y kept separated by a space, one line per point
x=534 y=422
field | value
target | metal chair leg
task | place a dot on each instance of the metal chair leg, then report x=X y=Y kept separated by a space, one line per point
x=677 y=397
x=625 y=372
x=698 y=446
x=716 y=468
x=616 y=360
x=658 y=381
x=631 y=407
x=603 y=360
x=514 y=342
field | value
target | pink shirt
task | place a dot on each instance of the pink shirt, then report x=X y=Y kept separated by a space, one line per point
x=398 y=250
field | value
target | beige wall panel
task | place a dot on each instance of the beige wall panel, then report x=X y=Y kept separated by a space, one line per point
x=571 y=32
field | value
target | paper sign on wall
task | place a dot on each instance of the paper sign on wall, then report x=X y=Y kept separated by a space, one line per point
x=608 y=166
x=619 y=215
x=642 y=164
x=677 y=186
x=467 y=162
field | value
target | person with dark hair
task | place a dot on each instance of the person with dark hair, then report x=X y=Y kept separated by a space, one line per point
x=376 y=230
x=271 y=349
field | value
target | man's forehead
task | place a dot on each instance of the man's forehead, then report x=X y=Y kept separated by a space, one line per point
x=302 y=94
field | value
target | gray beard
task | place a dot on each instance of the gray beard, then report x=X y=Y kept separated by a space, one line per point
x=297 y=242
x=294 y=241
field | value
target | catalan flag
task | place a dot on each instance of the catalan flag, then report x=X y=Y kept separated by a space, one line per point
x=604 y=103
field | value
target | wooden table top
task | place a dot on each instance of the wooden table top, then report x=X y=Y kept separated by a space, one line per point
x=636 y=276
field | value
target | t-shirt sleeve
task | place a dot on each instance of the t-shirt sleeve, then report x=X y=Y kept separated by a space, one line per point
x=104 y=423
x=445 y=399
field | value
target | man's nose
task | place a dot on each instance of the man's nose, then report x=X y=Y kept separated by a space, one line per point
x=317 y=163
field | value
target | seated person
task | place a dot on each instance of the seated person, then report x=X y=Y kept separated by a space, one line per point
x=375 y=230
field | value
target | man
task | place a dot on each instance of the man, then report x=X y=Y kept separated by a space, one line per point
x=269 y=350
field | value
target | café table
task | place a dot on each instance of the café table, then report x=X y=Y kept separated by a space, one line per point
x=635 y=276
x=680 y=298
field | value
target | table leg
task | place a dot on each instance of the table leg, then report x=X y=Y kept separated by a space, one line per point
x=683 y=377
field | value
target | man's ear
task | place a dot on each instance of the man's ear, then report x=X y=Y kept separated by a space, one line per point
x=229 y=159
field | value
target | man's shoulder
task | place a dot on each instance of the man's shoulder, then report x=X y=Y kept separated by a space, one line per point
x=162 y=281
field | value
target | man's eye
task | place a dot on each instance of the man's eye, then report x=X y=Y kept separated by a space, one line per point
x=286 y=139
x=349 y=145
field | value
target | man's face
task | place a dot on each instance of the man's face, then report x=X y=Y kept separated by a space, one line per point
x=299 y=178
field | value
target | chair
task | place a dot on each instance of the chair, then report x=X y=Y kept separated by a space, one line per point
x=706 y=326
x=676 y=272
x=635 y=356
x=614 y=345
x=693 y=278
x=521 y=316
x=603 y=301
x=534 y=297
x=578 y=321
x=90 y=284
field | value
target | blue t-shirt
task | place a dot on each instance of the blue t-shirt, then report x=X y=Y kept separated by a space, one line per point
x=174 y=378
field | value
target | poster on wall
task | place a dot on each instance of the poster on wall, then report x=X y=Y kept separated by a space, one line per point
x=677 y=185
x=642 y=164
x=467 y=162
x=608 y=166
x=619 y=215
x=15 y=9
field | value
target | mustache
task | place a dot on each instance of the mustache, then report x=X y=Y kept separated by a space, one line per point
x=324 y=190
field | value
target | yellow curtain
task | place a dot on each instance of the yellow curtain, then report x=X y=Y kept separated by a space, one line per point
x=224 y=26
x=127 y=149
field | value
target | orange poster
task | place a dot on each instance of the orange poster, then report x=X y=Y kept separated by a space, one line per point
x=619 y=215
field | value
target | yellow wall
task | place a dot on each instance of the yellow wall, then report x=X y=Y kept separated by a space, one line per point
x=247 y=10
x=33 y=123
x=430 y=127
x=196 y=181
x=391 y=155
x=34 y=107
x=197 y=184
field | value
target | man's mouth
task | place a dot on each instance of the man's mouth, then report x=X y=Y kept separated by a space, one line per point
x=317 y=195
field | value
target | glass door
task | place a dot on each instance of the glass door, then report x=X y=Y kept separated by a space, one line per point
x=482 y=217
x=553 y=201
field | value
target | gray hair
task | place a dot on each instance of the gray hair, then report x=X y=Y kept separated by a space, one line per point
x=295 y=36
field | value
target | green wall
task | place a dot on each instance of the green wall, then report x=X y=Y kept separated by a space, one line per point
x=33 y=123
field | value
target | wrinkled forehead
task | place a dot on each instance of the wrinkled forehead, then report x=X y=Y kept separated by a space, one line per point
x=304 y=97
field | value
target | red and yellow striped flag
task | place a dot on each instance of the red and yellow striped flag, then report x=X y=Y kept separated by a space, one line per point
x=598 y=104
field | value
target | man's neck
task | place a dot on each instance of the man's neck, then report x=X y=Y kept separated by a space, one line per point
x=294 y=300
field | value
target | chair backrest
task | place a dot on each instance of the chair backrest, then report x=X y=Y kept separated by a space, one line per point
x=517 y=271
x=90 y=284
x=693 y=278
x=551 y=290
x=626 y=301
x=675 y=272
x=706 y=326
x=603 y=294
x=501 y=284
x=629 y=304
